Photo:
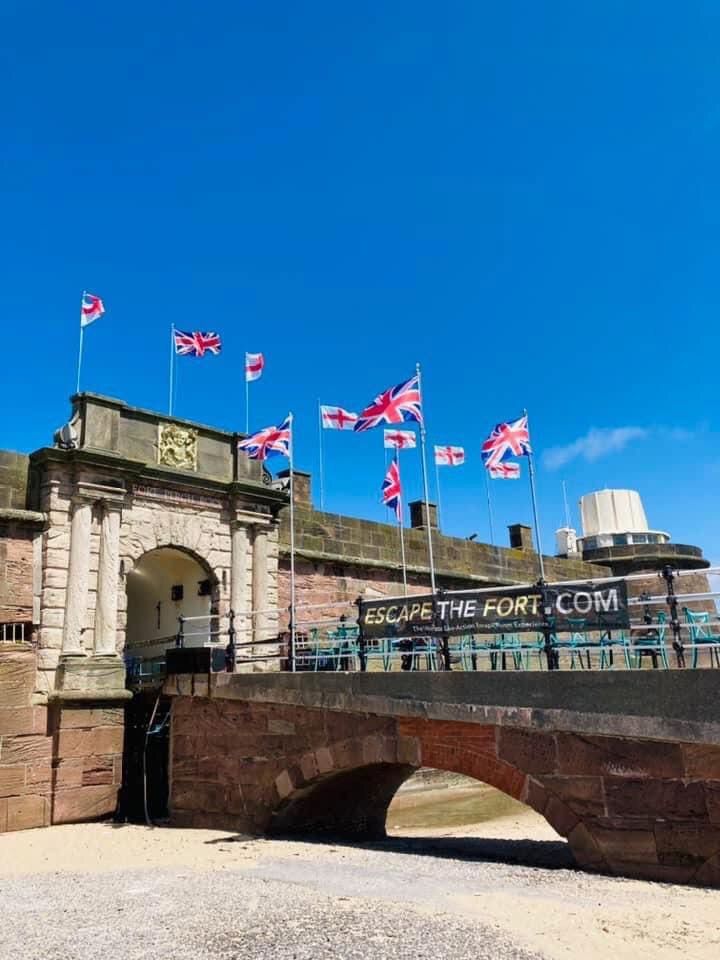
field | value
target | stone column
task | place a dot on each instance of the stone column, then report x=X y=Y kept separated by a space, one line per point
x=238 y=580
x=77 y=586
x=260 y=581
x=107 y=587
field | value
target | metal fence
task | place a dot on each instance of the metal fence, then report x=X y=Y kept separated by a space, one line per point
x=667 y=629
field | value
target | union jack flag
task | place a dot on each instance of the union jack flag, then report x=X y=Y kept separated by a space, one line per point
x=272 y=441
x=449 y=456
x=508 y=439
x=91 y=308
x=504 y=471
x=397 y=405
x=335 y=418
x=197 y=343
x=400 y=440
x=392 y=491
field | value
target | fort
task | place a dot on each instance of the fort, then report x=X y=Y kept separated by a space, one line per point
x=133 y=526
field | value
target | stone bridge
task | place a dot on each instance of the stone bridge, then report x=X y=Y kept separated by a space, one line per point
x=625 y=765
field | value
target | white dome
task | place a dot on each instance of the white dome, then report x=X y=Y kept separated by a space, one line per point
x=612 y=511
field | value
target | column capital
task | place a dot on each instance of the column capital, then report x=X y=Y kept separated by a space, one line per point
x=244 y=518
x=94 y=492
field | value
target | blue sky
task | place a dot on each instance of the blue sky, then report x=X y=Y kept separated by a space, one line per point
x=523 y=197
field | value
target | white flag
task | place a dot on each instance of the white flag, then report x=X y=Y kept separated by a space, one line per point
x=91 y=309
x=254 y=365
x=335 y=418
x=400 y=439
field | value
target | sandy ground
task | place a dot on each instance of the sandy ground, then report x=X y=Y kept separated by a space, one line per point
x=510 y=881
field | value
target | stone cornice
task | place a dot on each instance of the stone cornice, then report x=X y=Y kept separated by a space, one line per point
x=30 y=518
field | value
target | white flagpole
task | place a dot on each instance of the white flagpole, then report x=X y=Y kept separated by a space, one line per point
x=425 y=486
x=292 y=544
x=489 y=503
x=247 y=400
x=437 y=487
x=531 y=473
x=172 y=368
x=401 y=526
x=80 y=348
x=565 y=501
x=320 y=442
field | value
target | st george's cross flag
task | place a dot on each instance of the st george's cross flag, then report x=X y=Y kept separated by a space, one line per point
x=508 y=439
x=254 y=366
x=91 y=309
x=272 y=441
x=449 y=456
x=196 y=343
x=507 y=470
x=399 y=404
x=335 y=418
x=391 y=490
x=400 y=440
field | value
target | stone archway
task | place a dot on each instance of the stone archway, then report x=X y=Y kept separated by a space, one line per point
x=166 y=583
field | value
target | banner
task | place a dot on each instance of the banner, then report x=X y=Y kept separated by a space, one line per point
x=573 y=606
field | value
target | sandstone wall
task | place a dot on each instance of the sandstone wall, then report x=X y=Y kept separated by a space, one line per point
x=16 y=571
x=58 y=764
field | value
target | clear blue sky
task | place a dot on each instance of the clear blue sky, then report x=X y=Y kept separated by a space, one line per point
x=522 y=196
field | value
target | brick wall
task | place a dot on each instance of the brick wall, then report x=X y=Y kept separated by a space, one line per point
x=58 y=764
x=16 y=572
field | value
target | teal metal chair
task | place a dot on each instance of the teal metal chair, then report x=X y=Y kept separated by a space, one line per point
x=578 y=644
x=652 y=644
x=701 y=636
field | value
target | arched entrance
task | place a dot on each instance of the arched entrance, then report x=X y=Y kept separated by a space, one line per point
x=165 y=584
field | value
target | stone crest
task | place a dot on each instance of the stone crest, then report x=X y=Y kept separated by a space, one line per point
x=177 y=446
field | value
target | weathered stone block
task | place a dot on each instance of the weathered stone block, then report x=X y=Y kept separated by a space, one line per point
x=621 y=845
x=24 y=813
x=617 y=757
x=702 y=760
x=86 y=743
x=528 y=750
x=12 y=780
x=29 y=749
x=84 y=803
x=22 y=720
x=663 y=799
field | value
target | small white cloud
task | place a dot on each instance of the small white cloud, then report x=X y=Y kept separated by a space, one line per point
x=597 y=443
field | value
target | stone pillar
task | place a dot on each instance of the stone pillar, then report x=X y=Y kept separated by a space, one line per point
x=108 y=575
x=238 y=581
x=78 y=569
x=260 y=582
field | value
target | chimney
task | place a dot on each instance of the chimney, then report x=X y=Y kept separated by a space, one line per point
x=521 y=537
x=302 y=486
x=418 y=515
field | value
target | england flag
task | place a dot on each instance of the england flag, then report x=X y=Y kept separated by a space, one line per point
x=335 y=418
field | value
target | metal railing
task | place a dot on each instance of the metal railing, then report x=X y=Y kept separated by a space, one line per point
x=16 y=632
x=663 y=630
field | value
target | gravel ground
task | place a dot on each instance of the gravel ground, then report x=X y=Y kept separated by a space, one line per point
x=109 y=892
x=226 y=914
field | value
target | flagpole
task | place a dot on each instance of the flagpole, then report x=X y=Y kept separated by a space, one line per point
x=172 y=367
x=567 y=511
x=320 y=443
x=80 y=348
x=292 y=544
x=401 y=525
x=489 y=503
x=437 y=487
x=531 y=473
x=247 y=399
x=425 y=485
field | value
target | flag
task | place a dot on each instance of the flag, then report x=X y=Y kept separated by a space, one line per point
x=400 y=439
x=391 y=491
x=197 y=343
x=397 y=405
x=91 y=308
x=504 y=471
x=335 y=418
x=508 y=439
x=254 y=364
x=269 y=442
x=449 y=456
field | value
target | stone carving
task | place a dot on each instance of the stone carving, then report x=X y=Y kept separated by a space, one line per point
x=177 y=446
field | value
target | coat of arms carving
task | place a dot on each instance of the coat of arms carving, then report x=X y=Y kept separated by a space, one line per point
x=177 y=446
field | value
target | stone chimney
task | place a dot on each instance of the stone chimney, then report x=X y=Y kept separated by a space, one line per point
x=302 y=486
x=521 y=537
x=417 y=515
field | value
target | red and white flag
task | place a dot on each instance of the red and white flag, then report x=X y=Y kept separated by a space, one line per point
x=400 y=440
x=335 y=418
x=505 y=470
x=392 y=491
x=91 y=309
x=254 y=365
x=449 y=456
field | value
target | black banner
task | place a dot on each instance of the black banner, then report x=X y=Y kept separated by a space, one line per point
x=573 y=606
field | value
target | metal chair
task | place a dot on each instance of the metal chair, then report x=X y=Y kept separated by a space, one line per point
x=578 y=643
x=701 y=636
x=652 y=643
